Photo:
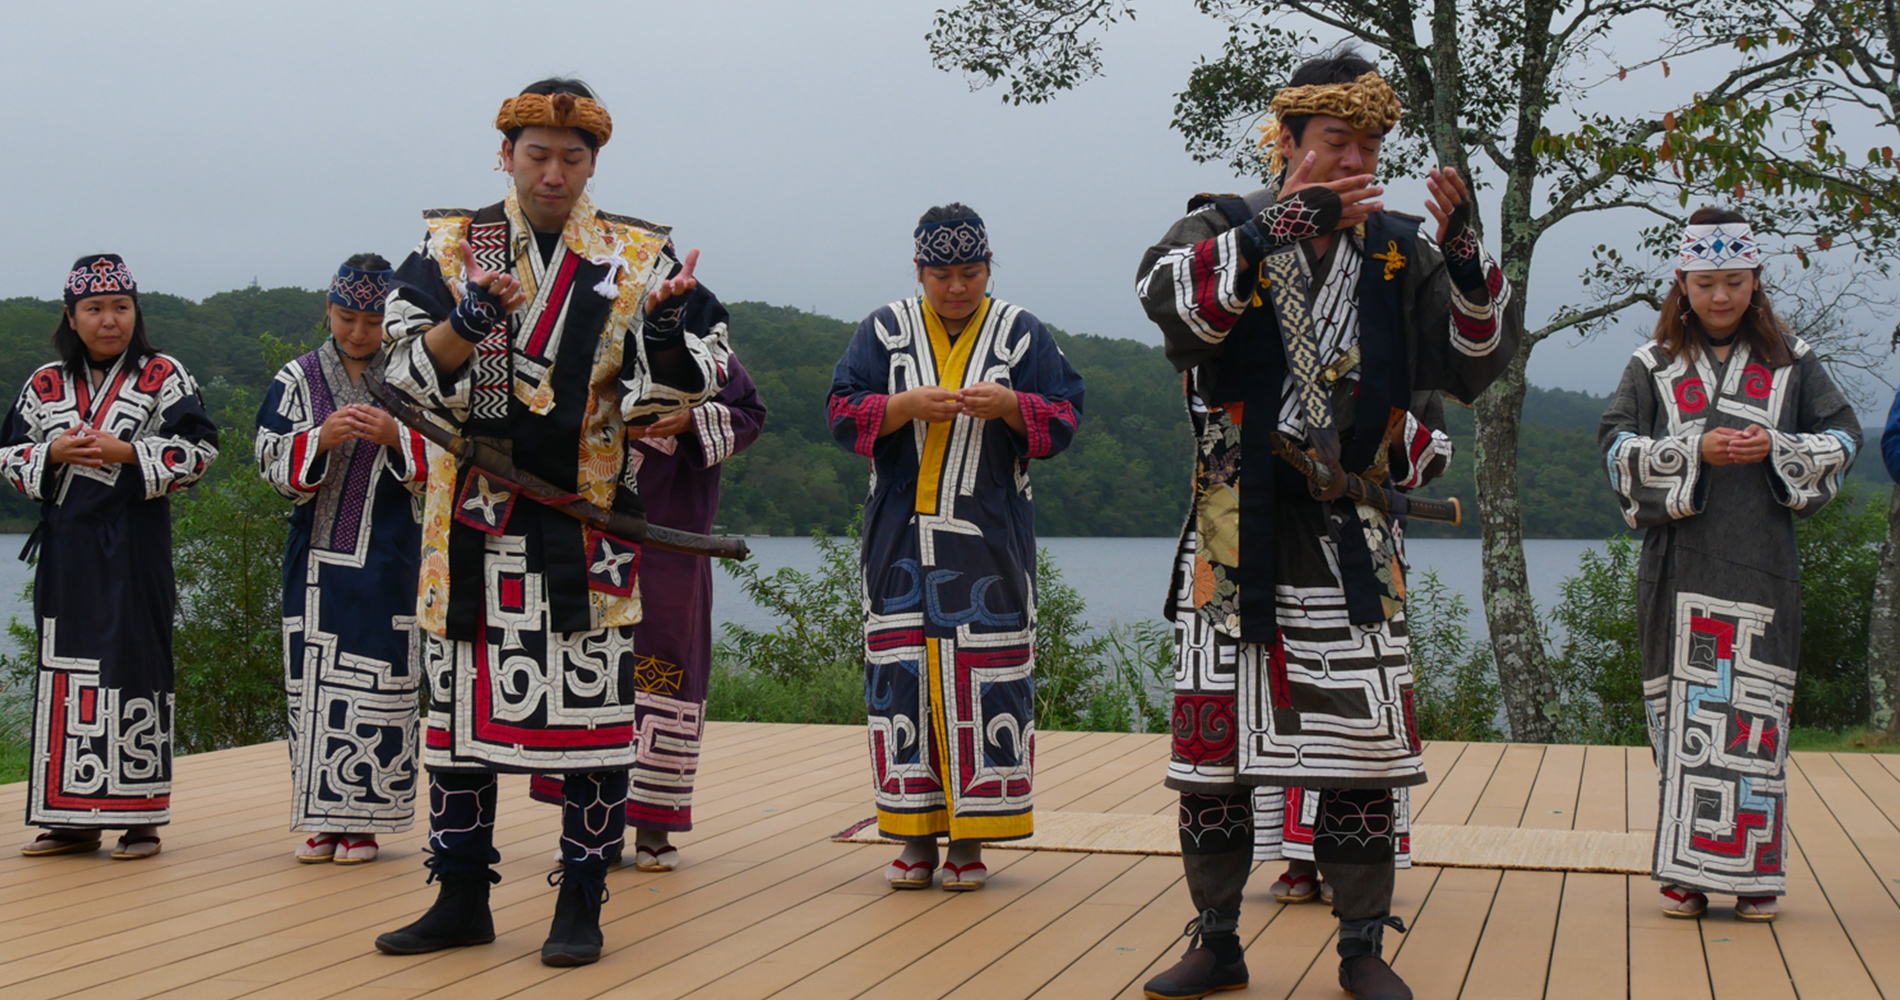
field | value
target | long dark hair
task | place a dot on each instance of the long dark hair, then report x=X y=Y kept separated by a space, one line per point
x=1679 y=330
x=72 y=350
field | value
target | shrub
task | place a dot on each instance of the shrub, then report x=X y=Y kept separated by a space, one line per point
x=1840 y=554
x=1455 y=685
x=1599 y=669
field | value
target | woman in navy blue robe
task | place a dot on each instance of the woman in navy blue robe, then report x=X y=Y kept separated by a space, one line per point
x=950 y=395
x=351 y=664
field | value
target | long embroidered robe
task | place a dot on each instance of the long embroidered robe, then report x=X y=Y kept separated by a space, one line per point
x=679 y=479
x=103 y=591
x=1294 y=664
x=1719 y=593
x=949 y=561
x=529 y=614
x=352 y=655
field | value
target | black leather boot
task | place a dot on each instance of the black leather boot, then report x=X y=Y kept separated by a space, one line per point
x=574 y=938
x=1362 y=969
x=459 y=917
x=1213 y=962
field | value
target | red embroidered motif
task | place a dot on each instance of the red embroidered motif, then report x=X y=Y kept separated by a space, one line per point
x=1691 y=396
x=156 y=372
x=1757 y=381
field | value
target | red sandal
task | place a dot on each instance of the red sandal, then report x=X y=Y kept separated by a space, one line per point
x=905 y=874
x=1291 y=888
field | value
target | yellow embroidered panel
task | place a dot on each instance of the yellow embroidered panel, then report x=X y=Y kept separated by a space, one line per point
x=952 y=359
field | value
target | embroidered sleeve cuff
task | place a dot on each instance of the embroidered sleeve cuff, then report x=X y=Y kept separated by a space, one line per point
x=1805 y=470
x=409 y=460
x=1044 y=422
x=25 y=467
x=855 y=424
x=712 y=426
x=1474 y=321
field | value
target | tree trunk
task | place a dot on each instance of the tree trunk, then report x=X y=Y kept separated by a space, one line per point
x=1883 y=628
x=1517 y=637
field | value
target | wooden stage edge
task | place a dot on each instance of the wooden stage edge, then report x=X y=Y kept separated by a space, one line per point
x=764 y=904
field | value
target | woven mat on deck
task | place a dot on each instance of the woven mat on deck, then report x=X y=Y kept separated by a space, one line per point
x=1432 y=844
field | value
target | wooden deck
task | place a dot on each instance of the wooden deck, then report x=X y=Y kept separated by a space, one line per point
x=765 y=905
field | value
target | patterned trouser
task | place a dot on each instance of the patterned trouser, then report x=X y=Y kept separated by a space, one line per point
x=1355 y=826
x=462 y=818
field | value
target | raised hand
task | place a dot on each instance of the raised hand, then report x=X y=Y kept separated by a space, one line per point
x=505 y=288
x=678 y=284
x=1450 y=202
x=1357 y=194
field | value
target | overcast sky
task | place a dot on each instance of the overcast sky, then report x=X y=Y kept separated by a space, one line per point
x=214 y=144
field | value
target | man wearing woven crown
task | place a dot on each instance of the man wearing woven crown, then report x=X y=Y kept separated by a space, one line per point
x=1309 y=322
x=545 y=328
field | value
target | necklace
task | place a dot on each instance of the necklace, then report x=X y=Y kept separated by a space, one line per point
x=352 y=357
x=1722 y=341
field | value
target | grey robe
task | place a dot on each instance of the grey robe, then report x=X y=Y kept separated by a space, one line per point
x=1719 y=594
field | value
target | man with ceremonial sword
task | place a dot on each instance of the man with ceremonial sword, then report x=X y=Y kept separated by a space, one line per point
x=533 y=333
x=1317 y=332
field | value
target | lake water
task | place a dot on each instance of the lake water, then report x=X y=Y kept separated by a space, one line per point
x=1121 y=579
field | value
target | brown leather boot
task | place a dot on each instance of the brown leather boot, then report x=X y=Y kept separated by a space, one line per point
x=1213 y=962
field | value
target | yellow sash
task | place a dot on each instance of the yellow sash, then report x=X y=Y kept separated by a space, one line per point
x=952 y=358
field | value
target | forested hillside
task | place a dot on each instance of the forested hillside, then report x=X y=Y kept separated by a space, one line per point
x=1126 y=474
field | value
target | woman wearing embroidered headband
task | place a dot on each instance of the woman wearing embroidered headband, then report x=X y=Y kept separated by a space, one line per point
x=1725 y=427
x=350 y=669
x=950 y=395
x=102 y=438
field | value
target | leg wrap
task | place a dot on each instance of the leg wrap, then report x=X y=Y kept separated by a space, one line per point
x=1353 y=846
x=462 y=822
x=1216 y=848
x=593 y=817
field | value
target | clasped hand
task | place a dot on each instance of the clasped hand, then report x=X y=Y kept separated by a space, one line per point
x=934 y=405
x=358 y=422
x=1728 y=446
x=83 y=444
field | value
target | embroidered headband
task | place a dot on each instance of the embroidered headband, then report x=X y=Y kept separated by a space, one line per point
x=355 y=288
x=99 y=274
x=1718 y=247
x=556 y=111
x=952 y=241
x=1366 y=103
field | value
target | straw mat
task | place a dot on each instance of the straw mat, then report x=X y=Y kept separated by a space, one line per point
x=1432 y=844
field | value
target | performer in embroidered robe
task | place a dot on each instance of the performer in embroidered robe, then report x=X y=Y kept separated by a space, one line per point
x=677 y=460
x=1306 y=316
x=1724 y=429
x=950 y=395
x=351 y=653
x=102 y=438
x=543 y=327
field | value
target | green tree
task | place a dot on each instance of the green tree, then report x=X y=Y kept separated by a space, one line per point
x=1500 y=83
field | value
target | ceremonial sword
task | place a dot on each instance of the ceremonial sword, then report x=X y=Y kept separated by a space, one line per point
x=1358 y=490
x=491 y=461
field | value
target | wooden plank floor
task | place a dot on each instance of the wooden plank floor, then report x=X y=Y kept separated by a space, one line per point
x=765 y=905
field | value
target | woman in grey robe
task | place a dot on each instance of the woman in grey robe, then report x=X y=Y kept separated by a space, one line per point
x=1724 y=429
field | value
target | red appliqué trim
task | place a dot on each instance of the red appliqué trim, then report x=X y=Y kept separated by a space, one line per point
x=1692 y=396
x=867 y=415
x=1207 y=287
x=1757 y=381
x=1037 y=413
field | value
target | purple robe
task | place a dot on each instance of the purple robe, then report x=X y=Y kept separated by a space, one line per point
x=679 y=481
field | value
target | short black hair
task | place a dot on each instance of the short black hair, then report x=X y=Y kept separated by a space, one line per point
x=1342 y=65
x=945 y=213
x=367 y=262
x=561 y=85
